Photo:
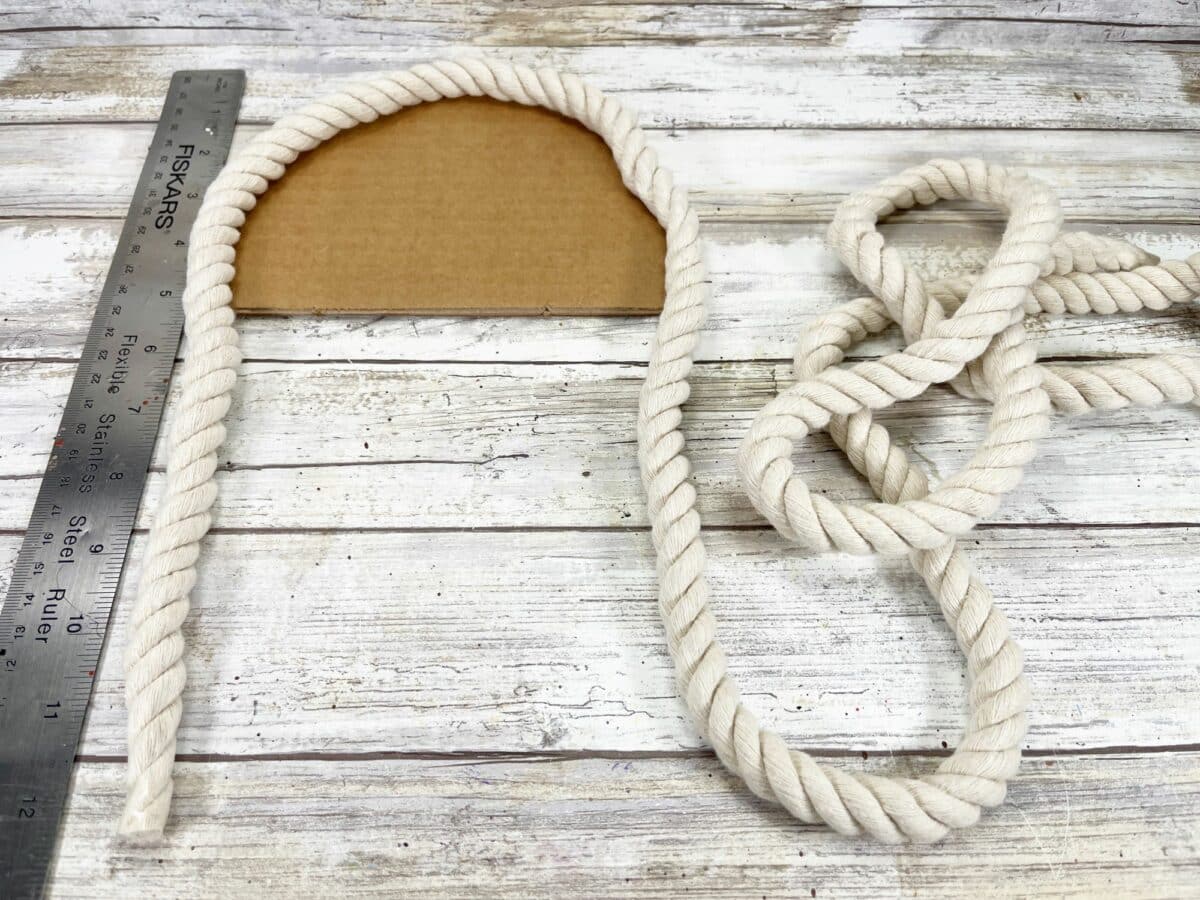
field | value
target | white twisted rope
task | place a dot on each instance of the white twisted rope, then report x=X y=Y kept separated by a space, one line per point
x=980 y=349
x=952 y=326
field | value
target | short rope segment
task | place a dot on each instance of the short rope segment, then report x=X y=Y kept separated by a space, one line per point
x=966 y=331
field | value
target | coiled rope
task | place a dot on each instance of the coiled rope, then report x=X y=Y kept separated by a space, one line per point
x=967 y=331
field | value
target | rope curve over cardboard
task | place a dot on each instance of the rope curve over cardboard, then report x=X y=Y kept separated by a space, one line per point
x=967 y=331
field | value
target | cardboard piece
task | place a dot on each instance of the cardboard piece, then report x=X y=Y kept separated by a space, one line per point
x=467 y=206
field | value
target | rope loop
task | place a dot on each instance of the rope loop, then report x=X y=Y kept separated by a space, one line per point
x=967 y=331
x=986 y=326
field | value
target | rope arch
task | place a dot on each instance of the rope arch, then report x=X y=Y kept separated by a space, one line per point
x=961 y=329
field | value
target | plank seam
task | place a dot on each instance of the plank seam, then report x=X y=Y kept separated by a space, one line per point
x=554 y=756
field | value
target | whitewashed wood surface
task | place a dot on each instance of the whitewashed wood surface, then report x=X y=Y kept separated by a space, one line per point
x=398 y=689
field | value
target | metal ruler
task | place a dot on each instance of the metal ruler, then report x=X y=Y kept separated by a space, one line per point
x=69 y=567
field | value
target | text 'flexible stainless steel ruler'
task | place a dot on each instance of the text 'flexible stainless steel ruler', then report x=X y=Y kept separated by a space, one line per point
x=68 y=570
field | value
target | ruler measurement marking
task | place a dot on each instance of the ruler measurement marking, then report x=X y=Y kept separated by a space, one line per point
x=68 y=570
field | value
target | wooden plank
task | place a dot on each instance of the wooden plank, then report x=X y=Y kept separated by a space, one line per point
x=341 y=642
x=798 y=175
x=1073 y=827
x=498 y=24
x=1062 y=85
x=458 y=445
x=768 y=281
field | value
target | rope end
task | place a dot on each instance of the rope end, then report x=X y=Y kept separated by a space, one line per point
x=143 y=827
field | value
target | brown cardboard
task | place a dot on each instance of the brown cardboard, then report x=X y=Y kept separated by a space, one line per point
x=461 y=206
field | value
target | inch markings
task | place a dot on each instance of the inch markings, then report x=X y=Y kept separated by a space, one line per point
x=68 y=571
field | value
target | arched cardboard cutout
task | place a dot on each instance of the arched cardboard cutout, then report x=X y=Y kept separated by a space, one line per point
x=469 y=206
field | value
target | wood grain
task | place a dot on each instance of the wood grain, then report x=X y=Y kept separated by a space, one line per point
x=550 y=445
x=339 y=642
x=923 y=23
x=1062 y=85
x=1073 y=826
x=798 y=175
